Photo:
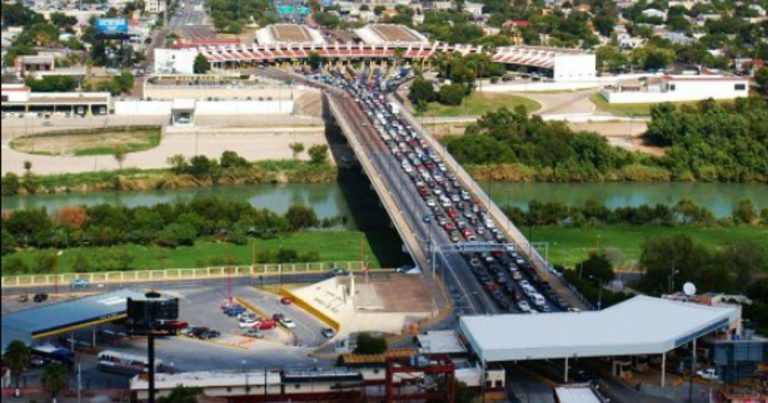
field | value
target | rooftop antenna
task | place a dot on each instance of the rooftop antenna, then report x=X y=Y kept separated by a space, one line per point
x=689 y=289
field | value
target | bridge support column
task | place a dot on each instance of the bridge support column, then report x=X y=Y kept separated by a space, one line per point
x=565 y=374
x=663 y=369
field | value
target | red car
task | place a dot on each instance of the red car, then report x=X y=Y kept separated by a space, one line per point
x=452 y=212
x=449 y=226
x=490 y=287
x=468 y=233
x=286 y=300
x=265 y=325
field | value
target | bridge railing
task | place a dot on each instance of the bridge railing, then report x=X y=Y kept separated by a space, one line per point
x=137 y=276
x=517 y=236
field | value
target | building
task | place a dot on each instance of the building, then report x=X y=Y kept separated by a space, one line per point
x=640 y=326
x=36 y=325
x=288 y=33
x=154 y=6
x=474 y=9
x=18 y=98
x=379 y=34
x=682 y=88
x=25 y=65
x=174 y=61
x=561 y=65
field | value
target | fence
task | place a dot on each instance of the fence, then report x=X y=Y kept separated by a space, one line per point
x=178 y=274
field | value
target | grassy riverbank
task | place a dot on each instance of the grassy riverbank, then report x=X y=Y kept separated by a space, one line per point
x=568 y=246
x=379 y=248
x=267 y=171
x=480 y=103
x=89 y=142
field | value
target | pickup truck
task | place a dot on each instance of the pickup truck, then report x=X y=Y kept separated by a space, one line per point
x=708 y=374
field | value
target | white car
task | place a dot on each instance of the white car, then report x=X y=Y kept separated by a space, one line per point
x=288 y=323
x=247 y=322
x=523 y=305
x=708 y=374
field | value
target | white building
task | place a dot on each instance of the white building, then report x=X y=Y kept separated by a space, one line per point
x=652 y=12
x=683 y=89
x=174 y=61
x=474 y=9
x=154 y=6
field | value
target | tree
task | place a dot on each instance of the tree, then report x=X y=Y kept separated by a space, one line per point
x=296 y=149
x=744 y=212
x=28 y=167
x=181 y=394
x=10 y=184
x=422 y=91
x=368 y=344
x=761 y=77
x=314 y=60
x=178 y=163
x=54 y=379
x=51 y=83
x=451 y=94
x=201 y=65
x=300 y=217
x=63 y=20
x=598 y=266
x=230 y=159
x=119 y=153
x=318 y=154
x=378 y=10
x=72 y=216
x=17 y=358
x=663 y=256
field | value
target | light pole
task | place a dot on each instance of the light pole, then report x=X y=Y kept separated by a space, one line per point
x=427 y=219
x=245 y=372
x=599 y=291
x=56 y=272
x=671 y=279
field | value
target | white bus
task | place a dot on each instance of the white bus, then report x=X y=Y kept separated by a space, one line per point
x=123 y=363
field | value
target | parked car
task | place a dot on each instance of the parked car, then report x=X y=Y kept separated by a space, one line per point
x=195 y=331
x=288 y=323
x=22 y=298
x=255 y=333
x=79 y=283
x=277 y=317
x=265 y=325
x=246 y=323
x=40 y=297
x=328 y=332
x=286 y=300
x=337 y=272
x=209 y=334
x=708 y=374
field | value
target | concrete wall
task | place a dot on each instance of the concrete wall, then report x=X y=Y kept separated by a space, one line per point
x=681 y=91
x=540 y=86
x=155 y=108
x=220 y=91
x=243 y=107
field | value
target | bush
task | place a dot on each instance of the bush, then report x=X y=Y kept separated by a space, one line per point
x=318 y=154
x=451 y=94
x=368 y=344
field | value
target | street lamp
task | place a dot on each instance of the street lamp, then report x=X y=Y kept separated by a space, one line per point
x=671 y=279
x=599 y=291
x=56 y=272
x=245 y=372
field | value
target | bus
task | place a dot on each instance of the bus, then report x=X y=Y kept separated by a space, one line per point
x=51 y=353
x=124 y=363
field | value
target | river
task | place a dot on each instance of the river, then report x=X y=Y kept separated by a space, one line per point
x=333 y=199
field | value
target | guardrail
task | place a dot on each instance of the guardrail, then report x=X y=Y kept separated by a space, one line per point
x=136 y=276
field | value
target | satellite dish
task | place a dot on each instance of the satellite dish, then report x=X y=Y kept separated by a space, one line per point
x=689 y=289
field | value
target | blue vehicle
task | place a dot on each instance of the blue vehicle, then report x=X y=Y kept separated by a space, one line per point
x=80 y=283
x=234 y=311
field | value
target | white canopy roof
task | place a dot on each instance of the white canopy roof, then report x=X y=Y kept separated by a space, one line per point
x=641 y=325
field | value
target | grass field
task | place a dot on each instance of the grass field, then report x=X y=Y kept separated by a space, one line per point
x=88 y=143
x=331 y=246
x=629 y=109
x=569 y=246
x=479 y=103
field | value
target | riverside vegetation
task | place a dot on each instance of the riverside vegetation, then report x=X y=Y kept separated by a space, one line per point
x=198 y=171
x=705 y=142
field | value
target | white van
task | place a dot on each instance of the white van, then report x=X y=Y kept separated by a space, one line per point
x=538 y=299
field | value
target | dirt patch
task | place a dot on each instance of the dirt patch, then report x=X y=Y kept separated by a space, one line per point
x=87 y=143
x=404 y=293
x=290 y=33
x=621 y=134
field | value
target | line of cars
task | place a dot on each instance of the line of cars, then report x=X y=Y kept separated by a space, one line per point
x=507 y=276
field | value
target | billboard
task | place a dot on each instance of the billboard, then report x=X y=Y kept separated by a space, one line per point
x=285 y=9
x=111 y=26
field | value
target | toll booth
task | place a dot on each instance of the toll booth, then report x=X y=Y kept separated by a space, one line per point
x=183 y=112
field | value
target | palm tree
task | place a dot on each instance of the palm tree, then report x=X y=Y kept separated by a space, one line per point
x=296 y=148
x=55 y=378
x=177 y=162
x=17 y=357
x=28 y=166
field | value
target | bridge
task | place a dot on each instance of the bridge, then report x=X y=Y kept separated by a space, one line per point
x=426 y=242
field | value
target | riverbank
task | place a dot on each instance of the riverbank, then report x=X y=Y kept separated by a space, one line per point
x=378 y=248
x=265 y=171
x=569 y=246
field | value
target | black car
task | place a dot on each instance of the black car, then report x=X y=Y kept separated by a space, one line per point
x=328 y=332
x=196 y=331
x=40 y=297
x=209 y=334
